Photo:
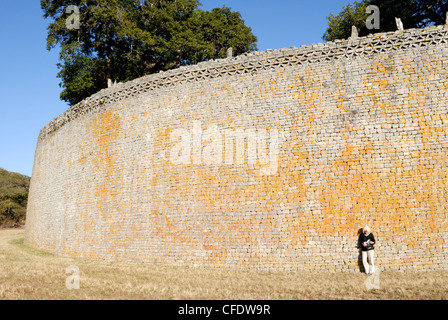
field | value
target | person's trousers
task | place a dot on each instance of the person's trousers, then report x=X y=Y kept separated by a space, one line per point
x=368 y=260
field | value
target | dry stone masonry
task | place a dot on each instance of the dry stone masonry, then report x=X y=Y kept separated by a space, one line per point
x=266 y=161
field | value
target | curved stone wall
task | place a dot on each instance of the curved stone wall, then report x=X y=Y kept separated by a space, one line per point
x=269 y=161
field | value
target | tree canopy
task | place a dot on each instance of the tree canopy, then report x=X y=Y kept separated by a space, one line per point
x=14 y=189
x=120 y=40
x=413 y=14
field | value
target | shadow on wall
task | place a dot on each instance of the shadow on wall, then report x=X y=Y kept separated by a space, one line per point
x=358 y=246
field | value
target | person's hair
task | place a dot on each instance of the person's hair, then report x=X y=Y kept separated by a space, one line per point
x=366 y=228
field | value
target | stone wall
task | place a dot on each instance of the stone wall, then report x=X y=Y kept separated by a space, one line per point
x=268 y=161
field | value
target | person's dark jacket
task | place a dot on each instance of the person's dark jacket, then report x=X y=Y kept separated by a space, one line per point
x=363 y=238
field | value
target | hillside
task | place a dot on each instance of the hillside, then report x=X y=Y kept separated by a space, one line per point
x=13 y=198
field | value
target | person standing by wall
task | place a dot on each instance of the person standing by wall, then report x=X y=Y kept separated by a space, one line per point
x=366 y=242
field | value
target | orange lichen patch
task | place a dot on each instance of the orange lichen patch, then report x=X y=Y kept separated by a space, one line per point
x=310 y=121
x=105 y=132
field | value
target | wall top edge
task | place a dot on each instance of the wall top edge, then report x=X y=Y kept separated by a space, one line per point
x=251 y=63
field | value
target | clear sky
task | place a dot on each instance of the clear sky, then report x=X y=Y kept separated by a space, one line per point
x=29 y=88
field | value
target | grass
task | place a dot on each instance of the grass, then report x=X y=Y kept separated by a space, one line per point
x=26 y=273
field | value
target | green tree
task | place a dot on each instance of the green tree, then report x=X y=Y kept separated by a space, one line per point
x=216 y=31
x=413 y=14
x=120 y=40
x=340 y=25
x=14 y=189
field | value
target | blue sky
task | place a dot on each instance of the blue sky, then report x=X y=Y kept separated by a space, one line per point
x=29 y=88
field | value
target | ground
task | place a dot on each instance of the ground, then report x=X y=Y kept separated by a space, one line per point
x=26 y=273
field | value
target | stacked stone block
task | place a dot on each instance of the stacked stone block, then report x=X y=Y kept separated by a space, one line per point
x=266 y=161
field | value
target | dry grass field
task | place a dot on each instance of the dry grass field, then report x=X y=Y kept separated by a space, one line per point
x=26 y=273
